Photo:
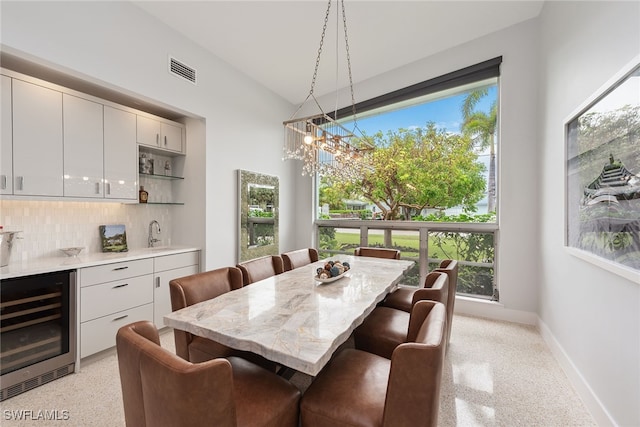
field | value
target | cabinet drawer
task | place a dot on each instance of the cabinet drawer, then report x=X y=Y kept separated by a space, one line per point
x=100 y=334
x=169 y=262
x=116 y=271
x=101 y=300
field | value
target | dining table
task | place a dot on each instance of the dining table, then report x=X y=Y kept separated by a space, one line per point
x=292 y=318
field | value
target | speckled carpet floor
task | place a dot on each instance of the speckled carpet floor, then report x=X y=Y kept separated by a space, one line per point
x=496 y=374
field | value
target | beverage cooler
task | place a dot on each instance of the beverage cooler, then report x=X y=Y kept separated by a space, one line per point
x=37 y=330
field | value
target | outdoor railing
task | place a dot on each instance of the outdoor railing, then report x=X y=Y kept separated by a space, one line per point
x=473 y=245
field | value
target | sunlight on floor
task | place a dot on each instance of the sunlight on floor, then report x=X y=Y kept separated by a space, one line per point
x=474 y=375
x=473 y=414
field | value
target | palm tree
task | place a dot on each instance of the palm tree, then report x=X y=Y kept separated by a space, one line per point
x=481 y=127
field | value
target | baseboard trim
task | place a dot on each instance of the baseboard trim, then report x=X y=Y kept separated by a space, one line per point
x=492 y=310
x=595 y=407
x=496 y=311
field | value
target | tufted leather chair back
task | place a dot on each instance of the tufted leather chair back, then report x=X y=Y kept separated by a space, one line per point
x=450 y=267
x=260 y=268
x=436 y=288
x=299 y=258
x=160 y=389
x=189 y=290
x=128 y=346
x=413 y=391
x=377 y=252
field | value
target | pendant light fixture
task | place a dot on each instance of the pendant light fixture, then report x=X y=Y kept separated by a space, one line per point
x=324 y=145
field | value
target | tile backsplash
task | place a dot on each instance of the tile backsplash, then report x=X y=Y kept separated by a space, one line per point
x=48 y=226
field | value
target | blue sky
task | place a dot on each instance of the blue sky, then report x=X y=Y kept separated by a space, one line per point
x=444 y=112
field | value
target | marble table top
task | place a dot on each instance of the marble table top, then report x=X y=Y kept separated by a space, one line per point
x=291 y=318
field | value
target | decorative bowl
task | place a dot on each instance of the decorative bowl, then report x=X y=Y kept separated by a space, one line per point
x=331 y=279
x=72 y=252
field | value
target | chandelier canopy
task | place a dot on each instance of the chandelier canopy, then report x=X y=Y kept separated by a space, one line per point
x=325 y=146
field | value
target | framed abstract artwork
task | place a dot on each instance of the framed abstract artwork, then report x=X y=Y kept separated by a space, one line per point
x=603 y=176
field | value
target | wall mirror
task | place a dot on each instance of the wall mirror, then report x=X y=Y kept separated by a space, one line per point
x=258 y=209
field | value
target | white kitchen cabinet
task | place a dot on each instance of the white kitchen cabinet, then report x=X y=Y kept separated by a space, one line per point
x=37 y=140
x=56 y=142
x=167 y=268
x=116 y=294
x=160 y=134
x=6 y=141
x=100 y=334
x=83 y=147
x=111 y=296
x=120 y=153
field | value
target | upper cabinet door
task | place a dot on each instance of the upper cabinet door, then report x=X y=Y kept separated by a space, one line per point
x=171 y=137
x=6 y=141
x=158 y=134
x=83 y=142
x=37 y=140
x=120 y=154
x=148 y=132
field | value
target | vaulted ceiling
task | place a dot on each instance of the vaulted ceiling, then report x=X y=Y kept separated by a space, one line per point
x=276 y=42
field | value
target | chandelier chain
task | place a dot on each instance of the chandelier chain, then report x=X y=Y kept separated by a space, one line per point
x=346 y=42
x=324 y=30
x=324 y=145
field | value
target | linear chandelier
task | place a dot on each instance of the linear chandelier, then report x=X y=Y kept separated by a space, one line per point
x=324 y=145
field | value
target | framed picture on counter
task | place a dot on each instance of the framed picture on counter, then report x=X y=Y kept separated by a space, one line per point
x=113 y=238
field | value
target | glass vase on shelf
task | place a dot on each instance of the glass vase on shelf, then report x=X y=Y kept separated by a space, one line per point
x=167 y=168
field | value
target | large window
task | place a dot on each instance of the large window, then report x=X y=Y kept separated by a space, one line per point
x=433 y=168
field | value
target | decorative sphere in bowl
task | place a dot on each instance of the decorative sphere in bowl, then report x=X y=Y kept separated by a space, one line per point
x=73 y=252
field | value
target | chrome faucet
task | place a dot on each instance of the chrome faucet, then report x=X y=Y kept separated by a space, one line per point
x=151 y=239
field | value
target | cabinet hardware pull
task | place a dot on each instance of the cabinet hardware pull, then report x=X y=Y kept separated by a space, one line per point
x=165 y=140
x=20 y=182
x=120 y=286
x=157 y=282
x=121 y=268
x=120 y=318
x=157 y=139
x=97 y=188
x=109 y=188
x=4 y=182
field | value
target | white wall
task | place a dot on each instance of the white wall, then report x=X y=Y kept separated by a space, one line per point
x=593 y=314
x=119 y=46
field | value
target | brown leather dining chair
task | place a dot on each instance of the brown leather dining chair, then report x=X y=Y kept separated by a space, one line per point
x=377 y=252
x=386 y=328
x=299 y=258
x=260 y=268
x=450 y=267
x=189 y=290
x=161 y=389
x=403 y=297
x=357 y=388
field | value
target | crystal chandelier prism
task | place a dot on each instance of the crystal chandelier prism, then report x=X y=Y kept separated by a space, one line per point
x=324 y=145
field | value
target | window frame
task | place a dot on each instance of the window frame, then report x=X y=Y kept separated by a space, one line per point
x=488 y=69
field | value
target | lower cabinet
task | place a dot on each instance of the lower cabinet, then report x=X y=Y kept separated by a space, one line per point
x=112 y=295
x=116 y=294
x=100 y=334
x=167 y=268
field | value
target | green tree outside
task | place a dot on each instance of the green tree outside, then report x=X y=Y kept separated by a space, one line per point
x=481 y=126
x=416 y=169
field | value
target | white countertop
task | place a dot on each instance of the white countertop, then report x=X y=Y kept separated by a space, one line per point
x=291 y=318
x=60 y=263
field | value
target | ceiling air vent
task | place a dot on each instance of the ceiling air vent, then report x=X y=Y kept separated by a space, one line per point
x=181 y=70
